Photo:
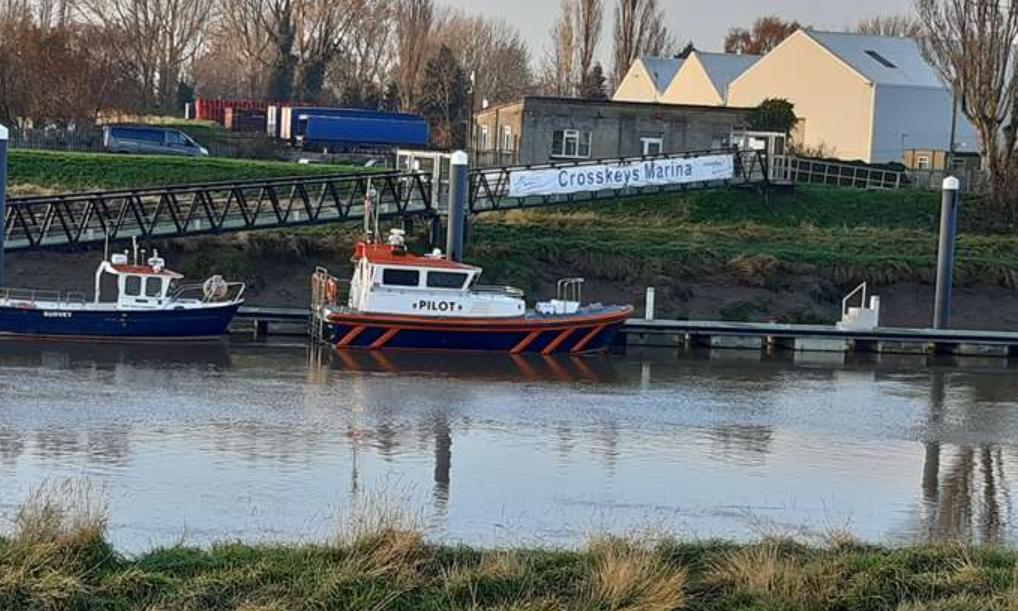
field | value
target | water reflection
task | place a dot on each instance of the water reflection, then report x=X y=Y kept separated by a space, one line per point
x=969 y=498
x=247 y=438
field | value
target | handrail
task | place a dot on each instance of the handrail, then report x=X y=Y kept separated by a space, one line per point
x=178 y=295
x=510 y=291
x=862 y=288
x=45 y=295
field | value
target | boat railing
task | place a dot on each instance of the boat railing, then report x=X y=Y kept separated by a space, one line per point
x=233 y=293
x=509 y=291
x=570 y=289
x=16 y=296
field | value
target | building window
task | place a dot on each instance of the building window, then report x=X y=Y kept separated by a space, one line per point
x=485 y=138
x=571 y=144
x=401 y=277
x=883 y=61
x=922 y=162
x=652 y=146
x=507 y=138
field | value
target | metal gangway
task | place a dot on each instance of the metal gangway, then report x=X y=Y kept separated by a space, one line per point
x=178 y=211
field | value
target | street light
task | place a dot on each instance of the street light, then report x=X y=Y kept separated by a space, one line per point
x=470 y=119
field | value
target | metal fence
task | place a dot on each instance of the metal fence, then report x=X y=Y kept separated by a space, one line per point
x=801 y=170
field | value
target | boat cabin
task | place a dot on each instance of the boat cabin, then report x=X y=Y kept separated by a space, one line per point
x=136 y=286
x=388 y=279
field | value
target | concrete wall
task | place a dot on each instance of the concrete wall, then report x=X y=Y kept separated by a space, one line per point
x=692 y=85
x=637 y=86
x=617 y=128
x=834 y=103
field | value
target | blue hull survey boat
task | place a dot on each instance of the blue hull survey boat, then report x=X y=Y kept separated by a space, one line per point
x=149 y=304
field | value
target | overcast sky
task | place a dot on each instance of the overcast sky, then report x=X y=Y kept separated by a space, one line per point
x=702 y=21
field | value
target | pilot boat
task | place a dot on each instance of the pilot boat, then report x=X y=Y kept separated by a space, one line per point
x=146 y=302
x=398 y=300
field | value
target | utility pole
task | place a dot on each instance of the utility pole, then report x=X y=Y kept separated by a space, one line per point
x=945 y=257
x=949 y=166
x=459 y=172
x=4 y=138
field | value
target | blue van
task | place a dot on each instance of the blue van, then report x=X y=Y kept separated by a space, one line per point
x=150 y=140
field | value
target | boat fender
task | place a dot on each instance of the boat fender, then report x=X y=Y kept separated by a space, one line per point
x=215 y=288
x=331 y=290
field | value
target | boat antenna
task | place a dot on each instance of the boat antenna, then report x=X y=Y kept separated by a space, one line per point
x=106 y=244
x=134 y=245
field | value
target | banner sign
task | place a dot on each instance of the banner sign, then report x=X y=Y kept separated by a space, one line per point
x=621 y=175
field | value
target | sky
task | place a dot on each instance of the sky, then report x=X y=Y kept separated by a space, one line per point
x=705 y=22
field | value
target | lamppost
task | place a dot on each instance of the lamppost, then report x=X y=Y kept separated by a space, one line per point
x=470 y=112
x=3 y=196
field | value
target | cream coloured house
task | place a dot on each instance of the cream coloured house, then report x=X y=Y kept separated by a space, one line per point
x=647 y=79
x=703 y=79
x=861 y=97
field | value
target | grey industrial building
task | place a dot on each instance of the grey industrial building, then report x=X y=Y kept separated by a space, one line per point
x=539 y=130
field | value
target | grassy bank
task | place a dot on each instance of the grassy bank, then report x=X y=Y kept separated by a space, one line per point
x=840 y=235
x=33 y=172
x=58 y=558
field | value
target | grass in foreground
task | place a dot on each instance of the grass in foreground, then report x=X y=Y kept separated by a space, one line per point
x=55 y=172
x=57 y=558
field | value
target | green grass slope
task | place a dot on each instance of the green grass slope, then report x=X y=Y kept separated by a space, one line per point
x=54 y=172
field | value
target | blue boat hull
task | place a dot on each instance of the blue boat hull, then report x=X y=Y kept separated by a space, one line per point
x=563 y=336
x=121 y=325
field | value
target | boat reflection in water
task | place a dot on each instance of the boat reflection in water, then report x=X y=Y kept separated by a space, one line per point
x=474 y=366
x=53 y=354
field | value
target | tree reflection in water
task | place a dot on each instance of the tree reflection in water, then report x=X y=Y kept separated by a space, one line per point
x=965 y=493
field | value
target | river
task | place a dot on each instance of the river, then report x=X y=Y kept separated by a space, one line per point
x=273 y=442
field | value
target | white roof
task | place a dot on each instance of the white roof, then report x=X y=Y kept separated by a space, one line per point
x=882 y=60
x=662 y=70
x=3 y=132
x=723 y=68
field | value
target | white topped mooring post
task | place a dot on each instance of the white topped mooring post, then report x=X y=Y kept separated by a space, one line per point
x=4 y=137
x=648 y=306
x=945 y=258
x=459 y=170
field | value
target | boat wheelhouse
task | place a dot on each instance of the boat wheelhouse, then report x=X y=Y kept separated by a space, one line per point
x=130 y=301
x=400 y=300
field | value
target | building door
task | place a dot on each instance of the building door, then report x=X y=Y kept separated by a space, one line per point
x=652 y=146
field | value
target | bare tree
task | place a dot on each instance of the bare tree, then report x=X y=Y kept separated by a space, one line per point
x=766 y=33
x=493 y=51
x=558 y=72
x=972 y=45
x=589 y=16
x=321 y=28
x=414 y=23
x=639 y=30
x=159 y=37
x=902 y=25
x=367 y=56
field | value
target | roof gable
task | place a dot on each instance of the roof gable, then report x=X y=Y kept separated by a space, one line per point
x=881 y=60
x=661 y=70
x=723 y=68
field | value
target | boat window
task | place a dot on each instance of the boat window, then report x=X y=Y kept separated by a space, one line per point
x=401 y=277
x=446 y=280
x=154 y=286
x=132 y=286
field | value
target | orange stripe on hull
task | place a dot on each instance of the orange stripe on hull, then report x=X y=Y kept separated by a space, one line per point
x=526 y=341
x=382 y=341
x=555 y=343
x=350 y=336
x=589 y=337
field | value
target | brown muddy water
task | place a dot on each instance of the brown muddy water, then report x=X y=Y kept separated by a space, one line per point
x=274 y=442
